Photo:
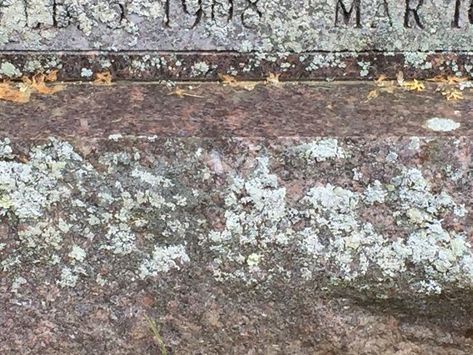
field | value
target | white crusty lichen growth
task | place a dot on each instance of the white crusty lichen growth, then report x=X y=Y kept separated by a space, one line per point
x=5 y=149
x=254 y=209
x=321 y=150
x=336 y=238
x=355 y=246
x=68 y=278
x=164 y=259
x=121 y=239
x=200 y=69
x=332 y=215
x=77 y=254
x=68 y=210
x=375 y=193
x=142 y=217
x=26 y=189
x=17 y=283
x=439 y=124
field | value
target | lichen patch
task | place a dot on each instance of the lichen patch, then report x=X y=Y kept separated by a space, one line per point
x=438 y=124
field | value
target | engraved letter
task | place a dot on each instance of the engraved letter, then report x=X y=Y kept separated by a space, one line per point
x=380 y=15
x=413 y=11
x=221 y=9
x=456 y=16
x=251 y=14
x=346 y=14
x=185 y=6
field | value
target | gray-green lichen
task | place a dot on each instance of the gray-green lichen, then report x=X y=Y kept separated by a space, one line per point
x=321 y=150
x=9 y=70
x=145 y=217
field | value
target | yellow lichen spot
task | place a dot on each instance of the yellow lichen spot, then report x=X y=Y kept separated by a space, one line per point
x=448 y=80
x=454 y=80
x=104 y=78
x=453 y=94
x=438 y=79
x=5 y=202
x=384 y=85
x=413 y=85
x=226 y=79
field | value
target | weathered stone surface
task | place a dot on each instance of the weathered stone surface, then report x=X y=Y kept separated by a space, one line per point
x=196 y=39
x=206 y=66
x=302 y=110
x=237 y=25
x=235 y=236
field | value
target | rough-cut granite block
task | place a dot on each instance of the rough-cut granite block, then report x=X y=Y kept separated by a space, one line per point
x=272 y=221
x=196 y=39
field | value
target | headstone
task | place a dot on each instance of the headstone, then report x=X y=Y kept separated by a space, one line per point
x=200 y=38
x=248 y=218
x=293 y=219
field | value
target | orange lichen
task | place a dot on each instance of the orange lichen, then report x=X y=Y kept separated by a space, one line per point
x=228 y=79
x=373 y=94
x=448 y=80
x=51 y=76
x=380 y=81
x=21 y=92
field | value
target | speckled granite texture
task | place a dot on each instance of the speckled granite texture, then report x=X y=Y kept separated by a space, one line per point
x=198 y=39
x=275 y=221
x=236 y=25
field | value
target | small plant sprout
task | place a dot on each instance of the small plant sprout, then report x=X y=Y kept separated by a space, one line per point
x=153 y=327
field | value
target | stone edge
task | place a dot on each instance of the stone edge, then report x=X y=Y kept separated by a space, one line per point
x=206 y=66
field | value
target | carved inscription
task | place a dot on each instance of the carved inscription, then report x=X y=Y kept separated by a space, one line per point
x=344 y=12
x=347 y=13
x=218 y=11
x=237 y=25
x=350 y=13
x=468 y=11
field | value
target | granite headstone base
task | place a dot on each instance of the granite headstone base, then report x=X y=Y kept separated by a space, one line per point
x=294 y=219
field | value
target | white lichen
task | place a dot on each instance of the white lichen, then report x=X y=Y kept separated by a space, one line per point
x=321 y=150
x=375 y=193
x=68 y=278
x=438 y=124
x=17 y=283
x=164 y=259
x=86 y=73
x=77 y=253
